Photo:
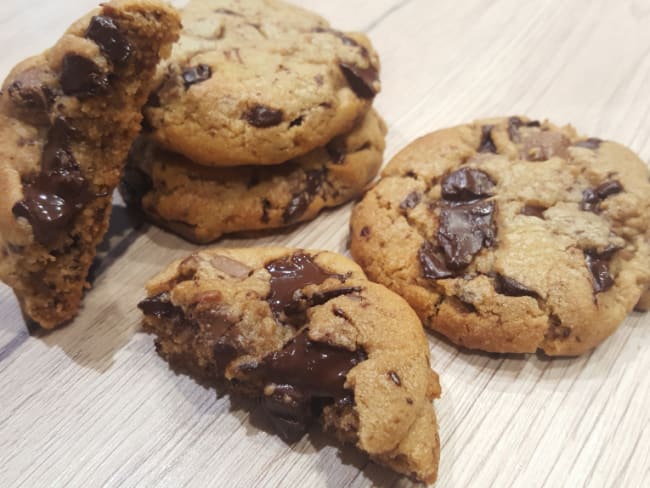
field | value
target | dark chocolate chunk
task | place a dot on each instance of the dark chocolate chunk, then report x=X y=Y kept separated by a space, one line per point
x=591 y=198
x=297 y=122
x=515 y=123
x=556 y=330
x=55 y=196
x=80 y=76
x=309 y=374
x=321 y=297
x=28 y=91
x=110 y=39
x=336 y=150
x=300 y=201
x=466 y=184
x=161 y=307
x=134 y=185
x=507 y=286
x=339 y=312
x=361 y=80
x=395 y=378
x=465 y=230
x=289 y=275
x=266 y=205
x=487 y=144
x=598 y=266
x=591 y=143
x=411 y=201
x=196 y=74
x=533 y=211
x=365 y=231
x=433 y=263
x=262 y=117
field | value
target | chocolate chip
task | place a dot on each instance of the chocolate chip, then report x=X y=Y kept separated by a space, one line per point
x=533 y=211
x=56 y=195
x=411 y=201
x=300 y=201
x=591 y=143
x=196 y=74
x=339 y=312
x=598 y=266
x=266 y=206
x=311 y=374
x=161 y=307
x=466 y=184
x=110 y=39
x=289 y=275
x=80 y=76
x=322 y=297
x=297 y=122
x=361 y=80
x=556 y=330
x=134 y=185
x=433 y=263
x=395 y=378
x=487 y=144
x=509 y=287
x=365 y=231
x=262 y=117
x=591 y=198
x=336 y=149
x=515 y=123
x=29 y=92
x=466 y=229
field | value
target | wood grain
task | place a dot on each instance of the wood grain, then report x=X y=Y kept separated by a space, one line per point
x=92 y=405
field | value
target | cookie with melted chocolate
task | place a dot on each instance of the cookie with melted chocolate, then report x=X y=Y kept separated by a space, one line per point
x=511 y=235
x=67 y=120
x=202 y=203
x=259 y=82
x=312 y=338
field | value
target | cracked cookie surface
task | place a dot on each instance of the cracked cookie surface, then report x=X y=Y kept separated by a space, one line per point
x=202 y=203
x=67 y=119
x=511 y=235
x=312 y=338
x=259 y=82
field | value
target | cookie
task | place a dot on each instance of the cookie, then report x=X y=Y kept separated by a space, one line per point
x=202 y=203
x=259 y=82
x=312 y=338
x=511 y=235
x=67 y=119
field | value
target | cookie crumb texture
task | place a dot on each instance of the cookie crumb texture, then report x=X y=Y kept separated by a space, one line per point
x=67 y=119
x=258 y=83
x=511 y=235
x=202 y=203
x=310 y=336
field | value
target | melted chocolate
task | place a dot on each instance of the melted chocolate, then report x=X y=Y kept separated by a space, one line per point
x=507 y=286
x=598 y=266
x=466 y=184
x=80 y=76
x=487 y=144
x=411 y=201
x=56 y=195
x=300 y=201
x=361 y=80
x=321 y=297
x=110 y=39
x=262 y=117
x=196 y=74
x=533 y=211
x=433 y=263
x=289 y=275
x=307 y=375
x=464 y=230
x=591 y=143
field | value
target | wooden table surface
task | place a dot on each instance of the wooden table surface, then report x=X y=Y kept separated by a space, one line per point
x=93 y=405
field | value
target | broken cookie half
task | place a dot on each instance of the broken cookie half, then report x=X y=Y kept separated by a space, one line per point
x=312 y=338
x=67 y=120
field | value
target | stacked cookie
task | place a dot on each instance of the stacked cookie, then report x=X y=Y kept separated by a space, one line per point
x=262 y=117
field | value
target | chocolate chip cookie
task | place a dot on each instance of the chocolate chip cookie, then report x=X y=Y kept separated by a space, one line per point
x=259 y=82
x=312 y=338
x=67 y=120
x=509 y=235
x=202 y=203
